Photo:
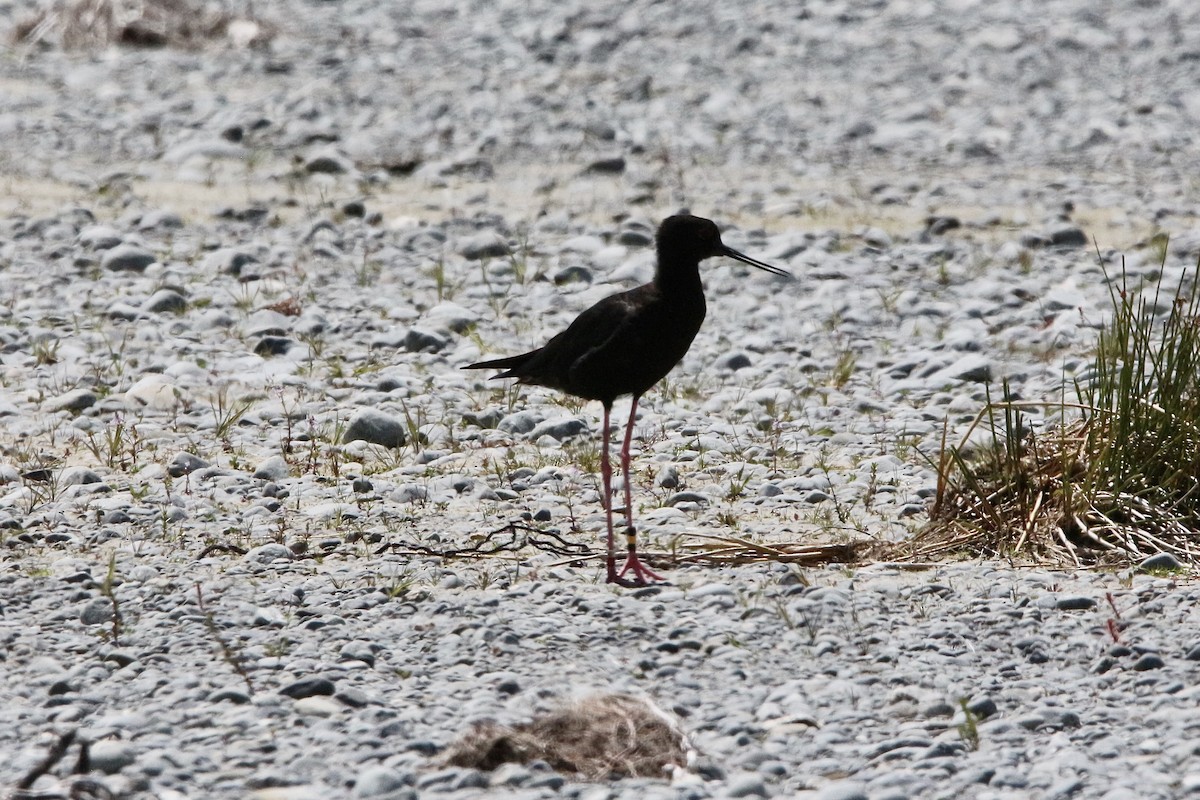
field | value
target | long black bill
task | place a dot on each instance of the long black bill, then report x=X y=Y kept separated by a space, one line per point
x=745 y=259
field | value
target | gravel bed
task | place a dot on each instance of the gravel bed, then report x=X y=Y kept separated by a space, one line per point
x=237 y=450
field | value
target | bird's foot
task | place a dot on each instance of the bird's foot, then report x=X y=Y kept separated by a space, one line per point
x=642 y=575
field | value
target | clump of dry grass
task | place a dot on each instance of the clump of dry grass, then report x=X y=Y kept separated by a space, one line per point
x=601 y=737
x=1117 y=482
x=91 y=24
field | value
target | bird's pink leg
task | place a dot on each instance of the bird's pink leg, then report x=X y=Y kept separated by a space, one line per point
x=606 y=479
x=642 y=574
x=625 y=467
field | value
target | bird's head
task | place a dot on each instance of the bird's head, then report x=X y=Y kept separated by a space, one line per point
x=684 y=239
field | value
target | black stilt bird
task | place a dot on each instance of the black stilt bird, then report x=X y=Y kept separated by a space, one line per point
x=625 y=344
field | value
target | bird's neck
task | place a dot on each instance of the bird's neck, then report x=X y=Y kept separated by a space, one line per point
x=678 y=280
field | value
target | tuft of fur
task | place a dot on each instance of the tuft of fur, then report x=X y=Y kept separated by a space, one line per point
x=600 y=737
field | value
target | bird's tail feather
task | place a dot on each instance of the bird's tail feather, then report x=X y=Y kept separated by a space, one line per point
x=500 y=363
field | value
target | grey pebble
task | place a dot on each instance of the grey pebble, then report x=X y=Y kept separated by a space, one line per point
x=308 y=687
x=127 y=258
x=842 y=790
x=1160 y=561
x=687 y=497
x=330 y=163
x=632 y=237
x=422 y=340
x=269 y=346
x=982 y=707
x=111 y=756
x=573 y=274
x=75 y=400
x=376 y=427
x=1148 y=661
x=614 y=165
x=165 y=301
x=484 y=245
x=520 y=422
x=97 y=612
x=735 y=360
x=268 y=553
x=746 y=785
x=228 y=261
x=235 y=696
x=1076 y=603
x=561 y=428
x=378 y=780
x=667 y=477
x=1063 y=789
x=1069 y=236
x=274 y=468
x=160 y=219
x=510 y=774
x=411 y=493
x=99 y=237
x=184 y=464
x=76 y=476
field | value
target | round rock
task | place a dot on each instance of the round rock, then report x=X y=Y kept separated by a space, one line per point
x=127 y=258
x=375 y=427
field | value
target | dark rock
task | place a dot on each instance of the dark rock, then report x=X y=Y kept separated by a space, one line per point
x=373 y=426
x=734 y=361
x=165 y=300
x=184 y=464
x=75 y=401
x=606 y=166
x=560 y=428
x=228 y=261
x=982 y=707
x=1165 y=562
x=229 y=696
x=936 y=226
x=484 y=245
x=573 y=274
x=269 y=346
x=127 y=258
x=308 y=687
x=1070 y=236
x=97 y=612
x=421 y=340
x=1148 y=661
x=1075 y=603
x=631 y=237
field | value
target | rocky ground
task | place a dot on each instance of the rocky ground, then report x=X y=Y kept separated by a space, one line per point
x=240 y=465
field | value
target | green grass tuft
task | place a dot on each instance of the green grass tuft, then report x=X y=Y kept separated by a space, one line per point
x=1118 y=481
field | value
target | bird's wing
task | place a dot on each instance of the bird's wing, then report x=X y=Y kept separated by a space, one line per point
x=592 y=331
x=620 y=342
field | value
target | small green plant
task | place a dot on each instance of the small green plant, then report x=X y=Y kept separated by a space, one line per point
x=968 y=729
x=1118 y=479
x=45 y=350
x=227 y=413
x=228 y=654
x=39 y=473
x=843 y=368
x=368 y=271
x=737 y=484
x=108 y=590
x=117 y=446
x=1025 y=261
